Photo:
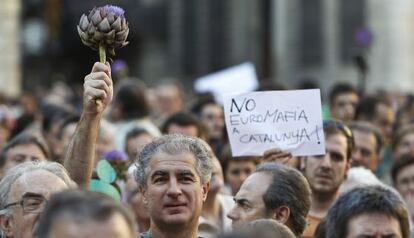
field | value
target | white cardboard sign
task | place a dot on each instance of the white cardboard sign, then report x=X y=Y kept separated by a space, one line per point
x=237 y=79
x=289 y=120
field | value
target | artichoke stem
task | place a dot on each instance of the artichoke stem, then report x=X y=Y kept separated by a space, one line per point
x=102 y=53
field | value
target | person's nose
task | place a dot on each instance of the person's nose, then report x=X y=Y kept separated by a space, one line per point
x=349 y=108
x=233 y=215
x=174 y=190
x=326 y=161
x=356 y=155
x=243 y=176
x=411 y=185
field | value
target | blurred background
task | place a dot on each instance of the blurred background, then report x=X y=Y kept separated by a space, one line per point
x=369 y=43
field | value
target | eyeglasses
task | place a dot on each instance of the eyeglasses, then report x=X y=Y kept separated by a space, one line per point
x=31 y=203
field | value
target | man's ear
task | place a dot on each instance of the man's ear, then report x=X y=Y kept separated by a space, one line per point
x=348 y=166
x=144 y=194
x=281 y=214
x=6 y=225
x=205 y=187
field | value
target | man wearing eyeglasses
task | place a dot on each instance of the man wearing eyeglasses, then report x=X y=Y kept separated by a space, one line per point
x=325 y=173
x=24 y=191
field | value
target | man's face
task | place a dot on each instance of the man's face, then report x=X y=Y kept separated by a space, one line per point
x=249 y=200
x=373 y=225
x=384 y=119
x=405 y=146
x=22 y=224
x=174 y=193
x=404 y=183
x=104 y=144
x=325 y=173
x=183 y=130
x=135 y=144
x=237 y=171
x=23 y=153
x=169 y=99
x=213 y=119
x=115 y=226
x=217 y=180
x=67 y=133
x=343 y=106
x=135 y=200
x=365 y=153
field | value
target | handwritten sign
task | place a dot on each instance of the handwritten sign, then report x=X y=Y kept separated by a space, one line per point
x=223 y=82
x=289 y=120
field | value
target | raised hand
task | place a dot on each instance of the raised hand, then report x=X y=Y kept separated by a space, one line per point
x=97 y=89
x=277 y=155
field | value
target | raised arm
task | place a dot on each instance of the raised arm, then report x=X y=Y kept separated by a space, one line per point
x=80 y=155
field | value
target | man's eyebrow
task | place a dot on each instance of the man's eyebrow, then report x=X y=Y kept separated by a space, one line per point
x=389 y=235
x=241 y=200
x=31 y=195
x=159 y=173
x=185 y=172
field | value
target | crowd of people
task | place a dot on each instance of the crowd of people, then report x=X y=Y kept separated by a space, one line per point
x=131 y=161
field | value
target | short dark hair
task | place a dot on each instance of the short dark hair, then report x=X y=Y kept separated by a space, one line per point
x=183 y=119
x=82 y=206
x=367 y=127
x=333 y=127
x=400 y=134
x=226 y=158
x=23 y=138
x=67 y=121
x=288 y=188
x=366 y=200
x=341 y=88
x=404 y=161
x=367 y=106
x=136 y=131
x=130 y=96
x=52 y=113
x=202 y=100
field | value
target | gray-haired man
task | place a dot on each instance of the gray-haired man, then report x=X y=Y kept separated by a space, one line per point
x=173 y=172
x=24 y=191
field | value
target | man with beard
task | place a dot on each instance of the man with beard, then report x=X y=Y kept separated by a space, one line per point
x=326 y=173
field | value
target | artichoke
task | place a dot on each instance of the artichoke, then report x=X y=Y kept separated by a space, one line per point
x=104 y=29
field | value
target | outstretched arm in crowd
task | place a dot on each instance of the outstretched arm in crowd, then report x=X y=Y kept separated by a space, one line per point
x=80 y=155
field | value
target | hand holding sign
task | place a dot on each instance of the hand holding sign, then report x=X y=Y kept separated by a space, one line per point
x=277 y=155
x=289 y=120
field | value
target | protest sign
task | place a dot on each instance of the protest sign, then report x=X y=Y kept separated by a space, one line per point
x=289 y=120
x=237 y=79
